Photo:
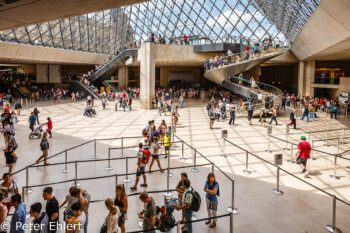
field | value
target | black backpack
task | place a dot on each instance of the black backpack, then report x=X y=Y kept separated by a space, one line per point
x=196 y=200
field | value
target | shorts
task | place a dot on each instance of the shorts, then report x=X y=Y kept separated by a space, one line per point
x=176 y=119
x=155 y=156
x=277 y=45
x=142 y=171
x=263 y=119
x=249 y=118
x=301 y=161
x=167 y=147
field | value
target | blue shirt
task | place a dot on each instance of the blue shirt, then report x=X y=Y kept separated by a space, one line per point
x=32 y=119
x=212 y=197
x=18 y=216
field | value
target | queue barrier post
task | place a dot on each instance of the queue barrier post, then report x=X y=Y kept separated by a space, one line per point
x=122 y=154
x=24 y=193
x=126 y=179
x=65 y=170
x=28 y=190
x=287 y=136
x=173 y=144
x=76 y=183
x=224 y=150
x=326 y=144
x=343 y=135
x=231 y=223
x=168 y=193
x=246 y=171
x=27 y=103
x=95 y=148
x=291 y=160
x=178 y=227
x=334 y=175
x=168 y=171
x=109 y=168
x=232 y=209
x=182 y=151
x=332 y=228
x=312 y=150
x=277 y=191
x=194 y=169
x=269 y=145
x=212 y=167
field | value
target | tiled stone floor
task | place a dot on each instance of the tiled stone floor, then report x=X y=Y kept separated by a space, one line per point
x=302 y=208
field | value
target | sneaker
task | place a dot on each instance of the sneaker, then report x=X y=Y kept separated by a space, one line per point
x=306 y=173
x=133 y=188
x=143 y=185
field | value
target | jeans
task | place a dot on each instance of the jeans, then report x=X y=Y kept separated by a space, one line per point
x=305 y=115
x=188 y=218
x=335 y=115
x=85 y=226
x=223 y=115
x=273 y=118
x=181 y=104
x=232 y=121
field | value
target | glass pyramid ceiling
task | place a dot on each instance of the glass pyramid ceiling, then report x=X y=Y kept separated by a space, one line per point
x=211 y=21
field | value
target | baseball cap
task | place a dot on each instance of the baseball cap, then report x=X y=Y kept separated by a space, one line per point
x=303 y=137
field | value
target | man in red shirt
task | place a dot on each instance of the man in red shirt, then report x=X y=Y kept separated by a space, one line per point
x=303 y=154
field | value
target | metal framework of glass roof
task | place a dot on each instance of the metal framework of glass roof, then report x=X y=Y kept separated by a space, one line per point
x=209 y=21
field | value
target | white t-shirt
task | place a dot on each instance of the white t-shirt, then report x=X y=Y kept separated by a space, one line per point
x=89 y=97
x=139 y=156
x=154 y=146
x=82 y=221
x=260 y=96
x=8 y=192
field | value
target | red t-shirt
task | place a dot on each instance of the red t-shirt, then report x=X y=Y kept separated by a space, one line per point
x=305 y=149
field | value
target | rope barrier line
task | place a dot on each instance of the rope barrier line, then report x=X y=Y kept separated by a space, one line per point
x=288 y=173
x=312 y=149
x=109 y=176
x=320 y=131
x=192 y=221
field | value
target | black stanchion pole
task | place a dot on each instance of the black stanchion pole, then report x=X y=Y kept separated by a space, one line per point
x=277 y=191
x=65 y=170
x=29 y=190
x=246 y=171
x=109 y=168
x=332 y=228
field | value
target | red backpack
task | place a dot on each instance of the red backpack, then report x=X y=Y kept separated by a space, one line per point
x=146 y=156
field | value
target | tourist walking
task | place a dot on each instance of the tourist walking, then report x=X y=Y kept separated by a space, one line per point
x=18 y=108
x=303 y=154
x=274 y=116
x=44 y=146
x=232 y=116
x=11 y=158
x=142 y=157
x=49 y=126
x=293 y=118
x=154 y=152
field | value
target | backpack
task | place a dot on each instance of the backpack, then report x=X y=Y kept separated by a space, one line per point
x=196 y=200
x=144 y=132
x=146 y=156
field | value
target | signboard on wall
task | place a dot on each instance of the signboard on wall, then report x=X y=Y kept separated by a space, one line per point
x=42 y=75
x=54 y=74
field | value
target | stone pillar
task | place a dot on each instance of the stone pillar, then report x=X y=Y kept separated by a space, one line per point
x=301 y=88
x=146 y=56
x=123 y=76
x=309 y=77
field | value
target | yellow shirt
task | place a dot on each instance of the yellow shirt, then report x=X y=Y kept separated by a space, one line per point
x=167 y=141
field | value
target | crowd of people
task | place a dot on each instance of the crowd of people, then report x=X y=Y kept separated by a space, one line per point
x=17 y=79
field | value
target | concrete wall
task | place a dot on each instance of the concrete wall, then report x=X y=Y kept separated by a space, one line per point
x=328 y=26
x=28 y=54
x=167 y=70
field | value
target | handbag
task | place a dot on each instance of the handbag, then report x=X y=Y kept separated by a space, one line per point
x=103 y=228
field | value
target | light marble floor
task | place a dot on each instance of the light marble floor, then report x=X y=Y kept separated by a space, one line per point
x=302 y=208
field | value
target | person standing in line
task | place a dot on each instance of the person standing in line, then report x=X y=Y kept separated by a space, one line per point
x=303 y=154
x=167 y=139
x=77 y=222
x=18 y=108
x=19 y=216
x=84 y=199
x=41 y=219
x=212 y=117
x=232 y=116
x=52 y=209
x=140 y=168
x=250 y=114
x=154 y=152
x=187 y=198
x=148 y=215
x=49 y=126
x=3 y=212
x=121 y=200
x=11 y=158
x=69 y=201
x=263 y=117
x=274 y=116
x=8 y=188
x=211 y=188
x=293 y=118
x=32 y=121
x=44 y=146
x=112 y=217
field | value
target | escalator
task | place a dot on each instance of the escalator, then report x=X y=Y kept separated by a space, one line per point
x=107 y=70
x=107 y=84
x=225 y=76
x=76 y=86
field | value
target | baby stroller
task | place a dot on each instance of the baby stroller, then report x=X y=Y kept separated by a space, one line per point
x=89 y=112
x=167 y=220
x=37 y=133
